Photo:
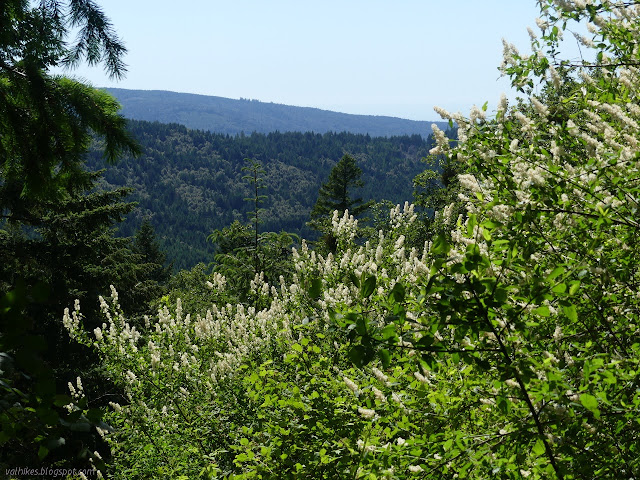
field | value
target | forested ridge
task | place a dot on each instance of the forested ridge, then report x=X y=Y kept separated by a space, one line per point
x=226 y=115
x=189 y=182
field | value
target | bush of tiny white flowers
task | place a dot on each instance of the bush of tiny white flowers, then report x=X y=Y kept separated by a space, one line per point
x=239 y=390
x=507 y=348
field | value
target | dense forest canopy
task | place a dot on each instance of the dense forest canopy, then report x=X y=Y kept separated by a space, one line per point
x=189 y=182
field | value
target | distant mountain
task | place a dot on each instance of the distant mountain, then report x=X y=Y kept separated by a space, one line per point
x=229 y=116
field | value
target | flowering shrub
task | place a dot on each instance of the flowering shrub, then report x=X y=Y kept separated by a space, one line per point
x=535 y=292
x=507 y=348
x=243 y=391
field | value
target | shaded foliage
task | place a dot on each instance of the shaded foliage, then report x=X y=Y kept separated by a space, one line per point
x=55 y=237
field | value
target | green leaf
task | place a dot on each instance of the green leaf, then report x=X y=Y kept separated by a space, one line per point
x=500 y=295
x=398 y=293
x=440 y=245
x=472 y=221
x=62 y=400
x=555 y=273
x=315 y=289
x=385 y=357
x=571 y=313
x=560 y=288
x=502 y=404
x=361 y=355
x=94 y=415
x=368 y=286
x=425 y=342
x=589 y=401
x=42 y=452
x=361 y=325
x=388 y=332
x=538 y=449
x=542 y=311
x=575 y=285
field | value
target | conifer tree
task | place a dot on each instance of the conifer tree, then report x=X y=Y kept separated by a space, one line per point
x=336 y=193
x=146 y=245
x=243 y=252
x=46 y=121
x=255 y=177
x=56 y=241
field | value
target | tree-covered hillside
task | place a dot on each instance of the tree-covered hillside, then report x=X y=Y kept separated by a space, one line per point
x=226 y=115
x=189 y=182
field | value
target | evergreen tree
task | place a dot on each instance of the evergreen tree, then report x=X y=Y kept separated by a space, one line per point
x=56 y=240
x=69 y=252
x=46 y=121
x=255 y=177
x=242 y=252
x=140 y=264
x=336 y=193
x=146 y=245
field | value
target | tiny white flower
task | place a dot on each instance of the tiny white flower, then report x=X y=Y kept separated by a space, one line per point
x=131 y=377
x=379 y=395
x=366 y=413
x=379 y=375
x=350 y=384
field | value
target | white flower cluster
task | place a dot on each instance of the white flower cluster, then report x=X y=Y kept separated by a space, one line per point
x=402 y=217
x=442 y=142
x=345 y=227
x=219 y=282
x=77 y=392
x=72 y=321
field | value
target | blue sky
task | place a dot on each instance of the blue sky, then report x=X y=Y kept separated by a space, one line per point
x=374 y=57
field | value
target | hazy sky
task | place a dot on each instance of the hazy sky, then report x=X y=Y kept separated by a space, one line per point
x=377 y=57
